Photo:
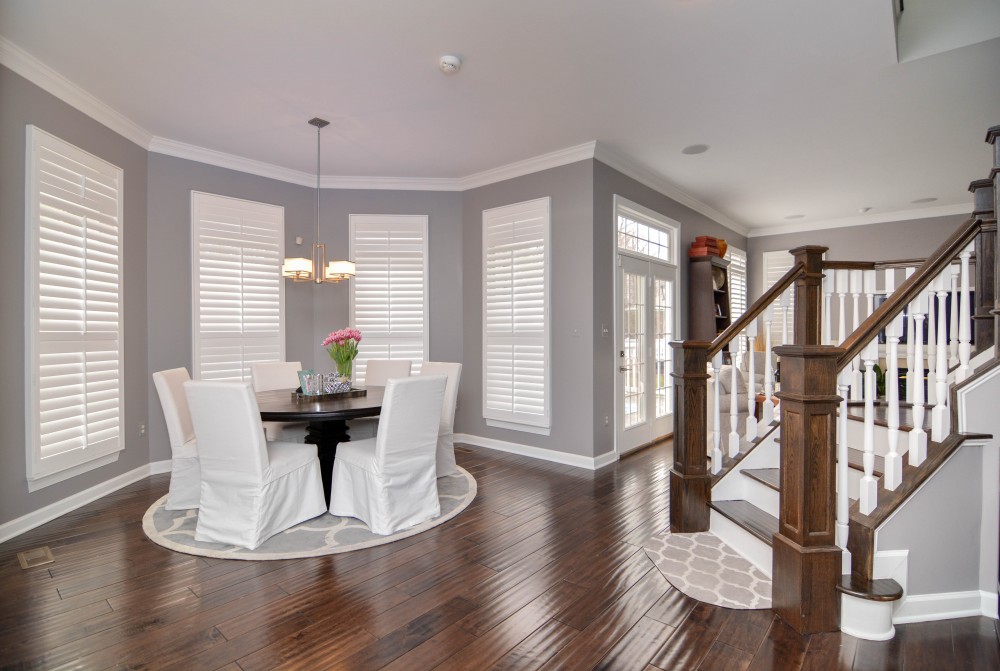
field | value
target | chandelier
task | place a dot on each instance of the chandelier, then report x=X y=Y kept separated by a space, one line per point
x=316 y=269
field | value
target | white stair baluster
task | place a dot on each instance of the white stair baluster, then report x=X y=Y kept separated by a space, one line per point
x=842 y=305
x=953 y=318
x=910 y=339
x=917 y=449
x=940 y=417
x=869 y=487
x=734 y=411
x=751 y=431
x=964 y=323
x=786 y=301
x=767 y=408
x=843 y=500
x=716 y=415
x=827 y=316
x=869 y=288
x=932 y=343
x=857 y=381
x=893 y=460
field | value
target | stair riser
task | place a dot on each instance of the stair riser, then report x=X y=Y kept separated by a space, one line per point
x=755 y=550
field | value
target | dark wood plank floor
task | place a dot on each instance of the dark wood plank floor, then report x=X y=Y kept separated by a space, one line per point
x=543 y=571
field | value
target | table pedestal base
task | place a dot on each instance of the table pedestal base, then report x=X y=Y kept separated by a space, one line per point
x=326 y=436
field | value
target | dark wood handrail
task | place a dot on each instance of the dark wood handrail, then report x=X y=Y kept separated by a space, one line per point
x=755 y=310
x=908 y=291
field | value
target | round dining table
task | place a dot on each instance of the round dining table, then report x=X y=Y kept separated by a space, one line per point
x=326 y=419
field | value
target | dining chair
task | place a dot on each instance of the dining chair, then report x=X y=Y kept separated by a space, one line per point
x=377 y=373
x=446 y=430
x=389 y=482
x=273 y=375
x=185 y=476
x=251 y=489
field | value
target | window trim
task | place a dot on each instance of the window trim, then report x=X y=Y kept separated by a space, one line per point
x=424 y=222
x=653 y=219
x=75 y=462
x=541 y=424
x=196 y=372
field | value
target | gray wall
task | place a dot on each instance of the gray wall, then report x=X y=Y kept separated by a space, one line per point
x=912 y=239
x=607 y=183
x=570 y=188
x=171 y=181
x=23 y=103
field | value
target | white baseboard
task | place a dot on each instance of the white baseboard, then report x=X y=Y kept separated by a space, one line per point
x=945 y=606
x=50 y=512
x=590 y=463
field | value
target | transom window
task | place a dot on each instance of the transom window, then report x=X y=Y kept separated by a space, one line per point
x=638 y=234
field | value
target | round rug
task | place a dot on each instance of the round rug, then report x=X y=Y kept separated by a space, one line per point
x=706 y=569
x=323 y=535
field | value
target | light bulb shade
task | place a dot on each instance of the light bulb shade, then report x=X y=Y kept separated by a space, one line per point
x=340 y=270
x=297 y=268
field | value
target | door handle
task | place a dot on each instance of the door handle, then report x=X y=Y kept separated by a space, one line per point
x=622 y=369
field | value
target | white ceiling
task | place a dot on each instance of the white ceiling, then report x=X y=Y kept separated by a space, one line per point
x=804 y=105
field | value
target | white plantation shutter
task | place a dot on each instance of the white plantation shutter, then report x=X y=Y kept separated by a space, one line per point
x=515 y=315
x=74 y=331
x=737 y=290
x=237 y=249
x=389 y=292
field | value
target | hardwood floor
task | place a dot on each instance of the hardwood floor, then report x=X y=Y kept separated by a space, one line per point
x=543 y=571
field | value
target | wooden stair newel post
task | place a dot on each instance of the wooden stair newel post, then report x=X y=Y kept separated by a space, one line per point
x=807 y=560
x=984 y=208
x=690 y=481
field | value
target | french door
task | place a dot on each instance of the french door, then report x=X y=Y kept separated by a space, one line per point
x=646 y=305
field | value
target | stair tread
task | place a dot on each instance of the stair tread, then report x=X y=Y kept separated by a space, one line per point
x=855 y=459
x=750 y=517
x=881 y=589
x=770 y=477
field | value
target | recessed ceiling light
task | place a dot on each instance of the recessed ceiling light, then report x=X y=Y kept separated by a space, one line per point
x=920 y=201
x=796 y=216
x=449 y=64
x=695 y=149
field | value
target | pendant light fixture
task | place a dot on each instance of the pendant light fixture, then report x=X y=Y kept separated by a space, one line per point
x=316 y=269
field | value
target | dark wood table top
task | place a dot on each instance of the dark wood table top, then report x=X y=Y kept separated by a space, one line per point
x=279 y=406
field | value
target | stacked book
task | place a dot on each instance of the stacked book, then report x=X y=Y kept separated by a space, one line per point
x=704 y=245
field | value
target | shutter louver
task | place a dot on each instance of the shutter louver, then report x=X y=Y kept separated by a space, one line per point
x=515 y=313
x=75 y=332
x=238 y=320
x=776 y=264
x=389 y=294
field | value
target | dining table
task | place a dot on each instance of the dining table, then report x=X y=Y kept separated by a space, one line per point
x=325 y=416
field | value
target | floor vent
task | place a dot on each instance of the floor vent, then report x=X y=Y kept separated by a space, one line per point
x=36 y=557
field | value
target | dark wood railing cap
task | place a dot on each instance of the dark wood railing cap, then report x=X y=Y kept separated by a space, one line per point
x=980 y=184
x=992 y=134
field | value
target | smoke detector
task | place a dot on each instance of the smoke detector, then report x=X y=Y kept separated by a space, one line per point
x=449 y=64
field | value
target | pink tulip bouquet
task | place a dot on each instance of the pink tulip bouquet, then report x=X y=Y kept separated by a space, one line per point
x=342 y=346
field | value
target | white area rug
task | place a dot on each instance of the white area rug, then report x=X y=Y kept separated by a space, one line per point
x=706 y=569
x=321 y=535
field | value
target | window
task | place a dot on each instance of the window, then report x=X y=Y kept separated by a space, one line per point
x=641 y=233
x=776 y=264
x=737 y=290
x=74 y=328
x=238 y=295
x=515 y=316
x=389 y=292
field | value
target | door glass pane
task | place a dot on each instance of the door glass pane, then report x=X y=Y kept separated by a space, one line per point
x=634 y=343
x=663 y=324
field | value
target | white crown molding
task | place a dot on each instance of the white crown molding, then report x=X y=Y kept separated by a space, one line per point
x=560 y=157
x=161 y=145
x=392 y=183
x=41 y=75
x=863 y=220
x=657 y=182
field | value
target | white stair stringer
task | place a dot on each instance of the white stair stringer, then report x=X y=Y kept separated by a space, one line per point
x=735 y=486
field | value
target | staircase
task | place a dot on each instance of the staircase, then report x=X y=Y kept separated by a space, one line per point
x=847 y=500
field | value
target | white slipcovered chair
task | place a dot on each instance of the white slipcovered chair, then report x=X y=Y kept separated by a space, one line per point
x=446 y=430
x=390 y=482
x=185 y=473
x=279 y=375
x=377 y=373
x=250 y=489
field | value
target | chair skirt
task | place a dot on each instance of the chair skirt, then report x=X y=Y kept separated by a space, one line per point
x=386 y=504
x=248 y=515
x=446 y=454
x=185 y=483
